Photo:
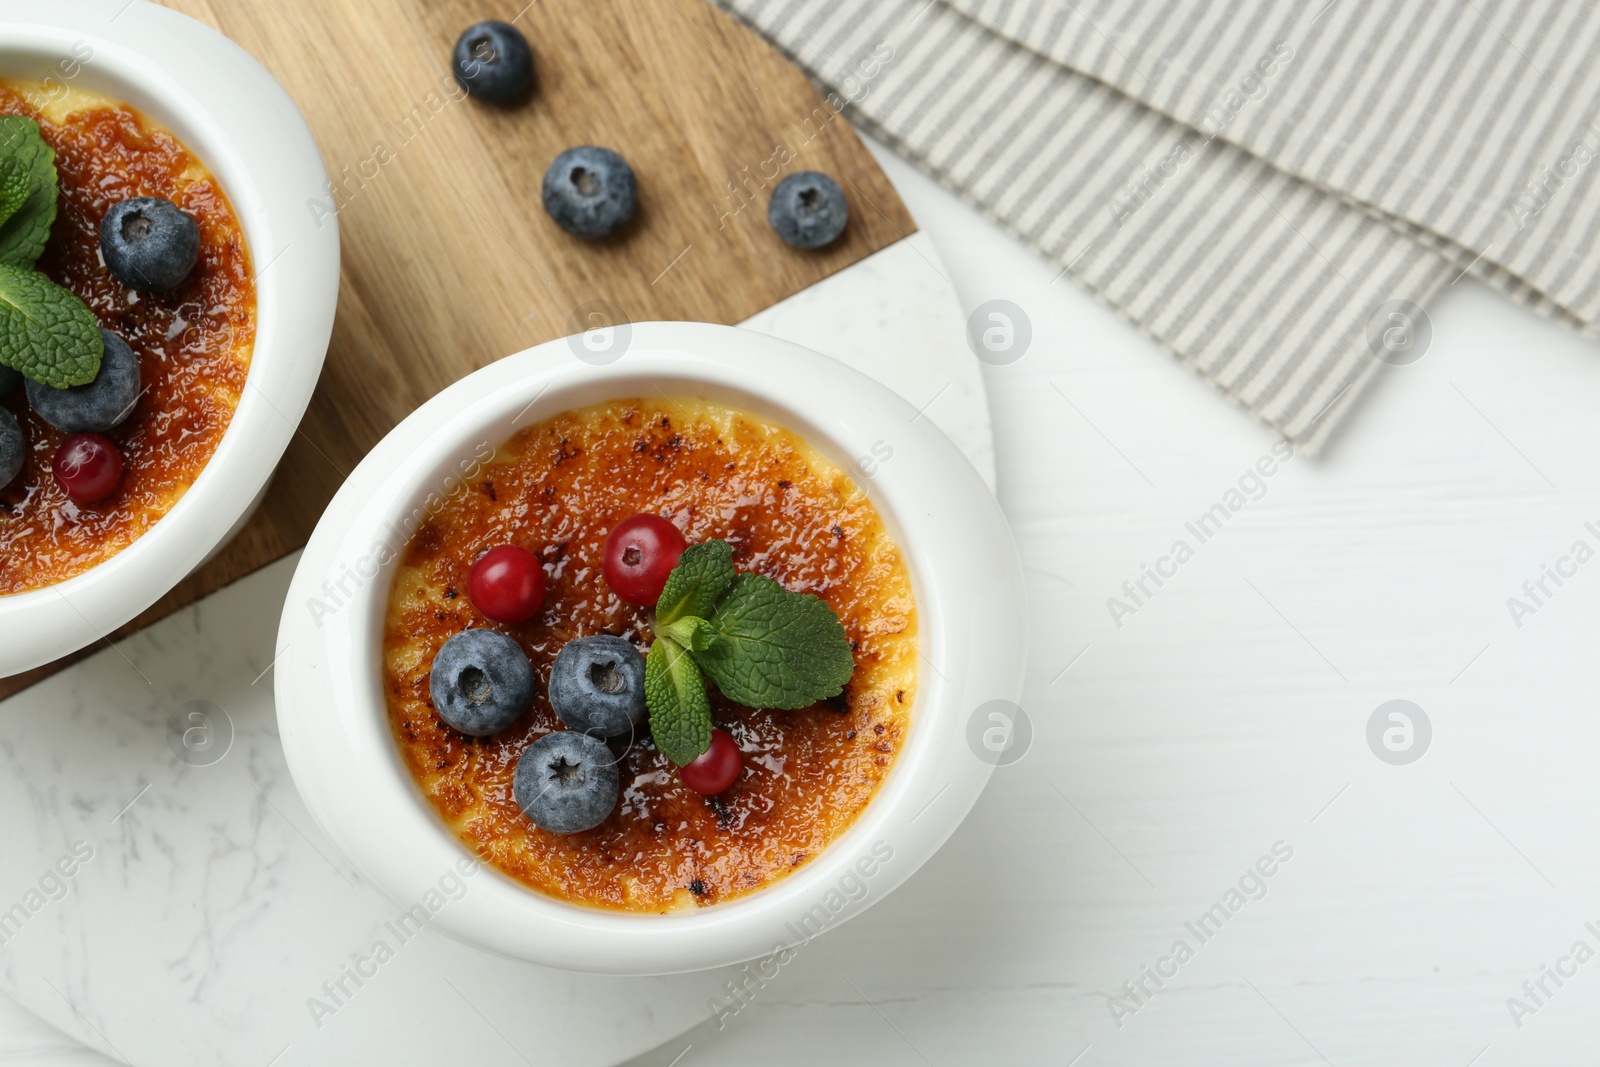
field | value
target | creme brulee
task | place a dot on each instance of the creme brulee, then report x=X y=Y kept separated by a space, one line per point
x=194 y=343
x=556 y=489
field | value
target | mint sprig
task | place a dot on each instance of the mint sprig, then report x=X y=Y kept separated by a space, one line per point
x=762 y=645
x=774 y=648
x=16 y=186
x=691 y=632
x=680 y=712
x=46 y=332
x=28 y=191
x=703 y=572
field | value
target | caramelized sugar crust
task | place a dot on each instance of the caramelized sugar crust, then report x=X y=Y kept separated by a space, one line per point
x=557 y=489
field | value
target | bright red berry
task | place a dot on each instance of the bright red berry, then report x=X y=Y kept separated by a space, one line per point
x=88 y=467
x=639 y=555
x=507 y=584
x=714 y=769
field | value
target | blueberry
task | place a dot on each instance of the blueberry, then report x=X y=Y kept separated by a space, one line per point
x=9 y=380
x=149 y=243
x=13 y=447
x=480 y=682
x=493 y=62
x=590 y=191
x=98 y=406
x=808 y=209
x=597 y=685
x=566 y=782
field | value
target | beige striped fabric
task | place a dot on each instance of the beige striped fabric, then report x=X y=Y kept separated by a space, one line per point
x=1258 y=185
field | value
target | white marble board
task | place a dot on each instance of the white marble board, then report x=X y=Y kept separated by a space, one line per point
x=210 y=911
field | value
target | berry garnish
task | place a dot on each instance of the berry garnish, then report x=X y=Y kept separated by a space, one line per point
x=507 y=584
x=13 y=447
x=808 y=210
x=480 y=682
x=715 y=769
x=88 y=467
x=597 y=685
x=149 y=243
x=98 y=406
x=590 y=191
x=493 y=62
x=640 y=553
x=566 y=782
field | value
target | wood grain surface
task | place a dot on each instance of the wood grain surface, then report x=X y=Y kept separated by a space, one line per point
x=449 y=261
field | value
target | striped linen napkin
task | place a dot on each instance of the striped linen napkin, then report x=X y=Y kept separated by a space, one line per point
x=1268 y=188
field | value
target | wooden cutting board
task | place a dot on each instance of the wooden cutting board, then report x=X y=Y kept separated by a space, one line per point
x=449 y=260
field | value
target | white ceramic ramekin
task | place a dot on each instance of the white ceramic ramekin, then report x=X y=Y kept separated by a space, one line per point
x=242 y=125
x=971 y=612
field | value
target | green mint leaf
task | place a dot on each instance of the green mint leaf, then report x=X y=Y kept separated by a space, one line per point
x=703 y=572
x=23 y=237
x=46 y=332
x=680 y=712
x=774 y=648
x=16 y=185
x=694 y=634
x=27 y=191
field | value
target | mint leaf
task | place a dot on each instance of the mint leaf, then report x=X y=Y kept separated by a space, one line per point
x=27 y=191
x=694 y=634
x=20 y=146
x=703 y=572
x=16 y=185
x=774 y=648
x=680 y=713
x=46 y=332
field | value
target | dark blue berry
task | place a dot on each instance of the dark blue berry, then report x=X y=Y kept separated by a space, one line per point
x=493 y=62
x=566 y=782
x=98 y=406
x=13 y=447
x=149 y=243
x=597 y=685
x=808 y=209
x=590 y=191
x=480 y=682
x=9 y=380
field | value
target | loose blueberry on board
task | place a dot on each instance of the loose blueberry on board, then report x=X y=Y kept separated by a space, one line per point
x=715 y=769
x=597 y=685
x=149 y=243
x=13 y=447
x=9 y=380
x=808 y=209
x=493 y=62
x=98 y=406
x=566 y=782
x=640 y=553
x=88 y=467
x=590 y=191
x=480 y=682
x=507 y=584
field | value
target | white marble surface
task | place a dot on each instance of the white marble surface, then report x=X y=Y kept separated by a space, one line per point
x=1230 y=713
x=208 y=891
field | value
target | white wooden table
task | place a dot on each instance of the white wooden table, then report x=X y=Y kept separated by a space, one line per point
x=1230 y=713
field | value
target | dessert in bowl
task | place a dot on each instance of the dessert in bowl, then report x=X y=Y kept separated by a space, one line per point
x=160 y=221
x=190 y=341
x=470 y=669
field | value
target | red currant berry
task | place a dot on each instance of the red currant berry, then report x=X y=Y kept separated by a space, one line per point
x=639 y=555
x=88 y=467
x=507 y=584
x=714 y=769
